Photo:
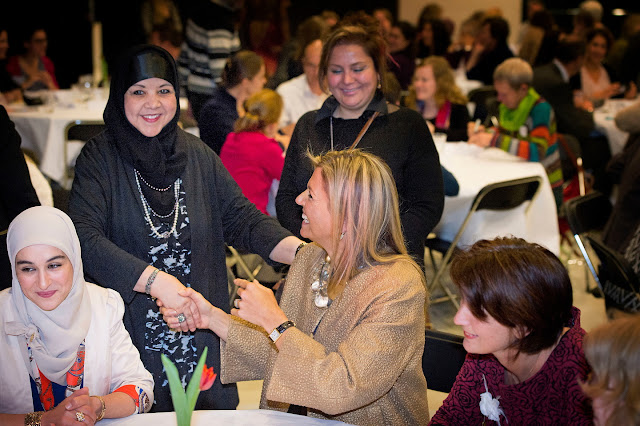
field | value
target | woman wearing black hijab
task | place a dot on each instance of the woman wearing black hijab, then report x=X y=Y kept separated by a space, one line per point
x=153 y=207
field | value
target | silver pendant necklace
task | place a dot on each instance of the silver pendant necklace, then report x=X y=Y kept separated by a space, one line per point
x=147 y=208
x=320 y=285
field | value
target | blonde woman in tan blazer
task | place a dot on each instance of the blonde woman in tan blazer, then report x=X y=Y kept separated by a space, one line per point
x=346 y=341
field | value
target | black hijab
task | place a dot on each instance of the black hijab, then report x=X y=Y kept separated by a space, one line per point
x=159 y=159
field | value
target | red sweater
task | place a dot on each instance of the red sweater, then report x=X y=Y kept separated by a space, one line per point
x=551 y=397
x=254 y=162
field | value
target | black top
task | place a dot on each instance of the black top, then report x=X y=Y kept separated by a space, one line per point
x=16 y=191
x=217 y=119
x=624 y=169
x=486 y=65
x=105 y=207
x=458 y=121
x=548 y=82
x=6 y=82
x=400 y=138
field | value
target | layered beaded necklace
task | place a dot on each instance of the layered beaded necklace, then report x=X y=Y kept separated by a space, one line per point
x=148 y=210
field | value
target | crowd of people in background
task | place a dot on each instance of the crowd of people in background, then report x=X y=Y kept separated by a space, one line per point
x=298 y=126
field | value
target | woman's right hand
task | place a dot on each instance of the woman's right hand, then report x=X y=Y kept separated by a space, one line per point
x=60 y=415
x=167 y=288
x=211 y=317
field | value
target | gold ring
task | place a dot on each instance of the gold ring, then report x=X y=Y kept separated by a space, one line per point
x=80 y=416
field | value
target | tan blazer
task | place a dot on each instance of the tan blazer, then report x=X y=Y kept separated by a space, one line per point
x=364 y=363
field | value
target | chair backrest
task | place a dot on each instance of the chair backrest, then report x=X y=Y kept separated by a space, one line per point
x=485 y=100
x=507 y=195
x=83 y=130
x=620 y=284
x=588 y=212
x=442 y=359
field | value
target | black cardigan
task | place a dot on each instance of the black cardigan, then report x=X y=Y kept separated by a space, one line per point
x=401 y=138
x=106 y=209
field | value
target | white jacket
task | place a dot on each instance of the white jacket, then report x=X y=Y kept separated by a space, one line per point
x=111 y=360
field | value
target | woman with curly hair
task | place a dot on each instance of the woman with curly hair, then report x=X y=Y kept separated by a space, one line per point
x=435 y=95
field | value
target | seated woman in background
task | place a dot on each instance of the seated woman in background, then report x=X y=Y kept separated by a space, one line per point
x=527 y=125
x=243 y=75
x=435 y=95
x=251 y=154
x=9 y=90
x=33 y=70
x=523 y=339
x=613 y=351
x=349 y=331
x=596 y=81
x=61 y=334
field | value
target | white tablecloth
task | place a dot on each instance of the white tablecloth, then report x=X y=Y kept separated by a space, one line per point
x=221 y=417
x=42 y=128
x=603 y=118
x=474 y=168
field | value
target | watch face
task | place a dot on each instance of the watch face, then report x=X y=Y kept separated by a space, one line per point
x=274 y=335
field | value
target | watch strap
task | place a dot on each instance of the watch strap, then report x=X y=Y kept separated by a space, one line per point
x=277 y=332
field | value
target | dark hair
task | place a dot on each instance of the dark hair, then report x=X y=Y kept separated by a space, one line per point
x=520 y=284
x=393 y=94
x=600 y=31
x=441 y=36
x=569 y=49
x=362 y=30
x=543 y=19
x=585 y=18
x=244 y=64
x=311 y=29
x=407 y=29
x=498 y=27
x=168 y=32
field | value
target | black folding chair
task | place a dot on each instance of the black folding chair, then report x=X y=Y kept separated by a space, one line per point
x=499 y=196
x=485 y=99
x=442 y=359
x=619 y=283
x=587 y=214
x=77 y=133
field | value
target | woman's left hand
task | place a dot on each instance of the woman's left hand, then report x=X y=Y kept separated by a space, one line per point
x=258 y=305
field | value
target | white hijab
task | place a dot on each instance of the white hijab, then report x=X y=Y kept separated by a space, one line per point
x=57 y=333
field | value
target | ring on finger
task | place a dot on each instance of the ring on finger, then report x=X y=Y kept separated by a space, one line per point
x=80 y=416
x=236 y=303
x=181 y=318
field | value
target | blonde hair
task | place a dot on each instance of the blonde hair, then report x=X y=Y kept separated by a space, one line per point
x=613 y=351
x=363 y=200
x=261 y=109
x=514 y=71
x=446 y=88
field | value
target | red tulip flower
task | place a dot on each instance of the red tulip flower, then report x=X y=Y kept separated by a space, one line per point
x=207 y=379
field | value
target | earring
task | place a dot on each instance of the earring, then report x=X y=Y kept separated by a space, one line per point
x=342 y=235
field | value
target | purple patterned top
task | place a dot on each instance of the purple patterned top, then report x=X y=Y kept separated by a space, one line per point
x=551 y=397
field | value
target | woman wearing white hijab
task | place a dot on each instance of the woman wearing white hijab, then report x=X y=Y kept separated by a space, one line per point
x=62 y=339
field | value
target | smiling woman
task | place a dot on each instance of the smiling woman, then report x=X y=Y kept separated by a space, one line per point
x=154 y=207
x=150 y=105
x=352 y=66
x=66 y=355
x=522 y=334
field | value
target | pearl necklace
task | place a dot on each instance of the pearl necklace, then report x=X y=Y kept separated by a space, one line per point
x=147 y=208
x=319 y=286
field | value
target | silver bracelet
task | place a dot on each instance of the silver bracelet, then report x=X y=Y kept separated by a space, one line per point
x=152 y=277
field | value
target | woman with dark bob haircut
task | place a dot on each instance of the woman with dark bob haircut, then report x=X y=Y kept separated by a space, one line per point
x=523 y=337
